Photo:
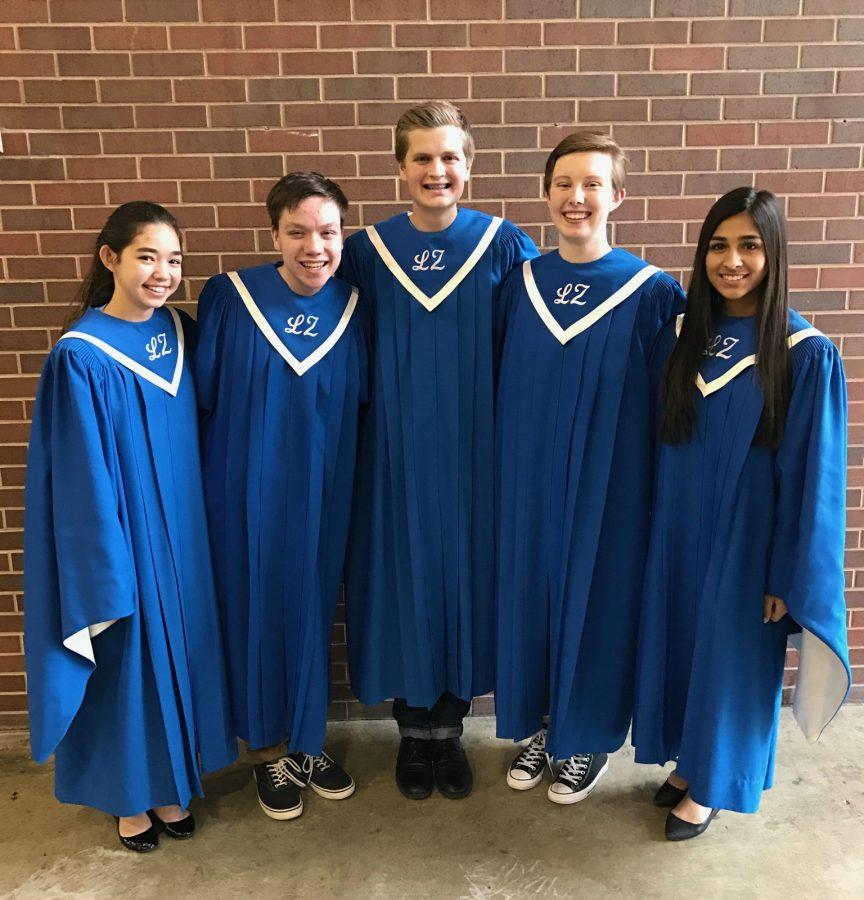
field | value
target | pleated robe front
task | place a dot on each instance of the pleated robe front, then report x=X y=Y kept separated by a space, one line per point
x=420 y=569
x=126 y=677
x=573 y=467
x=733 y=522
x=279 y=412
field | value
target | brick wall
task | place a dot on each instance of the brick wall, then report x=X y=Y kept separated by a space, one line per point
x=201 y=104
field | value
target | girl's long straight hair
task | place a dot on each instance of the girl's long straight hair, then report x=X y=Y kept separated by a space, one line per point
x=705 y=305
x=118 y=233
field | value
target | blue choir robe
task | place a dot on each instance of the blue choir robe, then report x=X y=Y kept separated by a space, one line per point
x=420 y=565
x=125 y=670
x=281 y=378
x=573 y=464
x=733 y=522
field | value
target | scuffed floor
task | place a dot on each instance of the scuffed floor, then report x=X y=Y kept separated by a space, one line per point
x=806 y=841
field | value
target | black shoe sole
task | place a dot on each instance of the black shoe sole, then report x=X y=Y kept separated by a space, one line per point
x=455 y=795
x=414 y=795
x=679 y=830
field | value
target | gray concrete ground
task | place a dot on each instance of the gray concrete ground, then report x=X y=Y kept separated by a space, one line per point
x=805 y=842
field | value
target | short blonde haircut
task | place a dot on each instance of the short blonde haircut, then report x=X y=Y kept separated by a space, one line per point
x=588 y=142
x=434 y=114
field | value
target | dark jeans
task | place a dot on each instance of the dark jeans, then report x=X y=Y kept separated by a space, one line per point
x=444 y=720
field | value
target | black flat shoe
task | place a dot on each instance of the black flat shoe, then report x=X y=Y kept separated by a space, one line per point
x=414 y=774
x=144 y=842
x=180 y=831
x=453 y=776
x=679 y=830
x=668 y=795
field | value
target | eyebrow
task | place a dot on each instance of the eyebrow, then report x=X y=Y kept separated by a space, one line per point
x=154 y=250
x=741 y=237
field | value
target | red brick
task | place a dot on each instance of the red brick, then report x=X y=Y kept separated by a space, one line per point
x=540 y=111
x=76 y=90
x=512 y=137
x=26 y=118
x=283 y=89
x=764 y=57
x=210 y=90
x=507 y=86
x=161 y=10
x=359 y=88
x=352 y=36
x=98 y=117
x=581 y=86
x=793 y=133
x=674 y=209
x=357 y=139
x=648 y=135
x=7 y=38
x=278 y=141
x=86 y=10
x=18 y=245
x=829 y=107
x=157 y=191
x=507 y=34
x=686 y=108
x=10 y=91
x=74 y=243
x=64 y=143
x=175 y=167
x=242 y=115
x=37 y=219
x=279 y=37
x=68 y=193
x=837 y=229
x=30 y=169
x=444 y=61
x=332 y=11
x=831 y=56
x=820 y=207
x=791 y=183
x=556 y=60
x=430 y=87
x=17 y=194
x=683 y=160
x=844 y=181
x=124 y=37
x=689 y=59
x=724 y=83
x=318 y=63
x=757 y=108
x=458 y=9
x=24 y=11
x=516 y=186
x=96 y=168
x=385 y=62
x=181 y=115
x=435 y=35
x=651 y=33
x=77 y=64
x=54 y=37
x=845 y=277
x=389 y=10
x=612 y=111
x=231 y=11
x=27 y=65
x=222 y=191
x=134 y=90
x=15 y=143
x=321 y=114
x=726 y=31
x=206 y=37
x=720 y=135
x=40 y=267
x=247 y=166
x=174 y=62
x=798 y=29
x=799 y=82
x=848 y=82
x=333 y=164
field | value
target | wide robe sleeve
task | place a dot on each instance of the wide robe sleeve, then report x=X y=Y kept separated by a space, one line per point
x=806 y=569
x=78 y=575
x=207 y=354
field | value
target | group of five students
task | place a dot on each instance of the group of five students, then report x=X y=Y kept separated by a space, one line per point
x=471 y=430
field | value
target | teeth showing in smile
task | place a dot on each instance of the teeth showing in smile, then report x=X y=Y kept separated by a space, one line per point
x=436 y=187
x=156 y=289
x=313 y=266
x=576 y=216
x=739 y=276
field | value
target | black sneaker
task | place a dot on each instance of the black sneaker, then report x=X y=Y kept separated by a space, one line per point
x=279 y=788
x=453 y=776
x=414 y=773
x=325 y=776
x=577 y=777
x=526 y=770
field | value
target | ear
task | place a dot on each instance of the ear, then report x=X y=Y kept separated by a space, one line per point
x=274 y=233
x=108 y=257
x=402 y=175
x=618 y=198
x=468 y=164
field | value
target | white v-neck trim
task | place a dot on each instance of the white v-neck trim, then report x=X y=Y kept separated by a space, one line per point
x=298 y=365
x=565 y=334
x=170 y=387
x=436 y=299
x=711 y=387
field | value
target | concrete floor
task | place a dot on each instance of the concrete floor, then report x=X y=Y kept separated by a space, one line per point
x=806 y=841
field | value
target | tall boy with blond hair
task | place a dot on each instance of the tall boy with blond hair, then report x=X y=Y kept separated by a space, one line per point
x=573 y=476
x=420 y=568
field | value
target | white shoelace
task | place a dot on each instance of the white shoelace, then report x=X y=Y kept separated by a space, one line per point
x=535 y=753
x=573 y=768
x=322 y=763
x=279 y=774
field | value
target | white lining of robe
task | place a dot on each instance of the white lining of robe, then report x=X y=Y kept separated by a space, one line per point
x=136 y=367
x=565 y=334
x=298 y=365
x=398 y=272
x=80 y=642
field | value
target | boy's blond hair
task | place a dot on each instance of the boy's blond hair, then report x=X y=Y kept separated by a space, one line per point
x=434 y=114
x=588 y=142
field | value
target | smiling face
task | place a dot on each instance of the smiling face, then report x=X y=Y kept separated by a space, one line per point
x=309 y=238
x=736 y=265
x=146 y=272
x=435 y=170
x=581 y=196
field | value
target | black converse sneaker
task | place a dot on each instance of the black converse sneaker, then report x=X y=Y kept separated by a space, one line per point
x=279 y=788
x=526 y=770
x=577 y=777
x=325 y=776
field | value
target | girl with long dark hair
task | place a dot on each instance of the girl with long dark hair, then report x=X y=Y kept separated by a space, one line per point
x=125 y=671
x=748 y=527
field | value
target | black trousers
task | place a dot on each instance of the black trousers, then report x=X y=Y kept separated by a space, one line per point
x=443 y=720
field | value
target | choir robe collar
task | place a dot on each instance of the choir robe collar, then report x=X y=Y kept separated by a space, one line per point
x=302 y=330
x=430 y=265
x=153 y=350
x=732 y=349
x=571 y=297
